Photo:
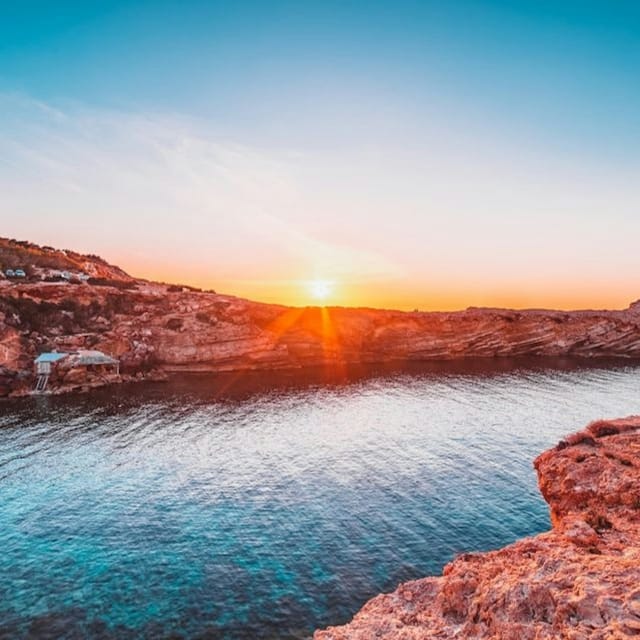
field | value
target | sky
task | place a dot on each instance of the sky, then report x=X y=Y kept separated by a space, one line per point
x=399 y=154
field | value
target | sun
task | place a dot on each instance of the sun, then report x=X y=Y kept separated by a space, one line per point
x=320 y=289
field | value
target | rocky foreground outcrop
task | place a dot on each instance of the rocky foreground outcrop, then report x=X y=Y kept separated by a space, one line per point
x=580 y=580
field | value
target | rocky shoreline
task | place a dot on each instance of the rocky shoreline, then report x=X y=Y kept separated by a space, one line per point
x=154 y=329
x=580 y=580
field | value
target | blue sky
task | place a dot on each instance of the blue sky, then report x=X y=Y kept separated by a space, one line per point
x=554 y=68
x=504 y=134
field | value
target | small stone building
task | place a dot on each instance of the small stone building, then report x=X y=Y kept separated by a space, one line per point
x=95 y=361
x=83 y=367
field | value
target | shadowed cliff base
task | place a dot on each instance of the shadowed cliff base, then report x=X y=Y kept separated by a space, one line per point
x=580 y=580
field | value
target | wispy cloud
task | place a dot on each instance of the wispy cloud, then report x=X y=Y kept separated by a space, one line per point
x=448 y=210
x=162 y=186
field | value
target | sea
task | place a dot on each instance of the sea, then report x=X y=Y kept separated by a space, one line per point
x=262 y=506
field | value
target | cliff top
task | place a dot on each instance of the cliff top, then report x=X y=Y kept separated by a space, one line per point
x=44 y=261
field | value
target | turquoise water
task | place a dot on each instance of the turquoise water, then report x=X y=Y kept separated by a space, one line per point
x=217 y=508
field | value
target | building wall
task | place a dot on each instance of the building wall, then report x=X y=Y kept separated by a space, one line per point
x=43 y=368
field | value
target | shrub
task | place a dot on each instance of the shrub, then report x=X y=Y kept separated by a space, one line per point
x=205 y=318
x=179 y=288
x=107 y=282
x=175 y=324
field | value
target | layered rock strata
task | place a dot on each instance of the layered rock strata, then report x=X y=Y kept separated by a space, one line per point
x=151 y=326
x=70 y=301
x=579 y=581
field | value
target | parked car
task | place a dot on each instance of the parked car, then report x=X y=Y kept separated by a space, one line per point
x=20 y=273
x=10 y=273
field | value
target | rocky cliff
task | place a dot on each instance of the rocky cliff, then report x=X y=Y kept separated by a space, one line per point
x=580 y=580
x=154 y=327
x=48 y=263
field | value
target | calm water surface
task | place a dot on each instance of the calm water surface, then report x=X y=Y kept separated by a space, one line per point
x=207 y=509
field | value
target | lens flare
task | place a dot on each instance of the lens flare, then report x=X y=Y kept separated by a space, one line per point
x=320 y=289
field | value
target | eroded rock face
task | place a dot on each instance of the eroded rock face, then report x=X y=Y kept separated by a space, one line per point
x=153 y=327
x=149 y=326
x=579 y=581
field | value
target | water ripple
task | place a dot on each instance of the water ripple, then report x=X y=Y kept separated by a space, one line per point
x=172 y=512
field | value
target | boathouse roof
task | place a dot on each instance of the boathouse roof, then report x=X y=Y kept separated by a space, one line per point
x=52 y=356
x=85 y=358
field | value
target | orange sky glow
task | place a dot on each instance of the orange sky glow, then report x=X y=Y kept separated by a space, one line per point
x=407 y=296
